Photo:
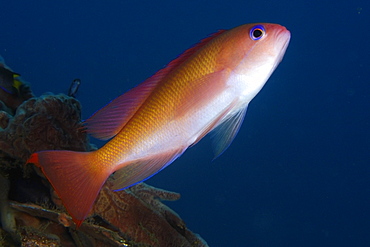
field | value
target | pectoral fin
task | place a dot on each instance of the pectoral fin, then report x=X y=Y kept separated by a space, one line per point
x=224 y=134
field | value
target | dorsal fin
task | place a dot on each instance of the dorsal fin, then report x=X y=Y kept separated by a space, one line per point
x=189 y=52
x=109 y=120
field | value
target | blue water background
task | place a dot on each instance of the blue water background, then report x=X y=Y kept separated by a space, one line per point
x=298 y=173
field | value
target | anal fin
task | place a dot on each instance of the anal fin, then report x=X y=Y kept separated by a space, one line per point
x=139 y=170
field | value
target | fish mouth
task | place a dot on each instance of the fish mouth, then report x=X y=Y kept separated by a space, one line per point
x=283 y=39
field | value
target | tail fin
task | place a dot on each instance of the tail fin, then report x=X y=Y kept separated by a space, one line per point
x=77 y=177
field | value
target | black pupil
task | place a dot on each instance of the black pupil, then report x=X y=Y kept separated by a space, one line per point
x=257 y=33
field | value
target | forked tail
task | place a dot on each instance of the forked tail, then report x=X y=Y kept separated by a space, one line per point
x=77 y=177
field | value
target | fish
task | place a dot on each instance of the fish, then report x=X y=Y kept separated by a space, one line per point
x=205 y=89
x=13 y=89
x=74 y=87
x=10 y=81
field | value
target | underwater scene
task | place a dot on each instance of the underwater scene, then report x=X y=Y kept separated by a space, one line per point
x=194 y=123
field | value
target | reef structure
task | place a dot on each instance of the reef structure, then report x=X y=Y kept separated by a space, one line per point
x=31 y=213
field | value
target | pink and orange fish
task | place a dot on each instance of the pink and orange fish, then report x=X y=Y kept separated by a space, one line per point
x=207 y=88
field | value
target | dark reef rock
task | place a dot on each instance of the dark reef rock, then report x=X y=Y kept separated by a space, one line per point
x=31 y=214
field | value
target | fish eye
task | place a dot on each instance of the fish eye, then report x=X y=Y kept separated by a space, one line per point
x=257 y=32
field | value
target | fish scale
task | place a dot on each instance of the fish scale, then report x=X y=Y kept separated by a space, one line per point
x=207 y=88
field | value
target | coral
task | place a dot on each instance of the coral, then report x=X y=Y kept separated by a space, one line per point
x=138 y=212
x=31 y=213
x=48 y=122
